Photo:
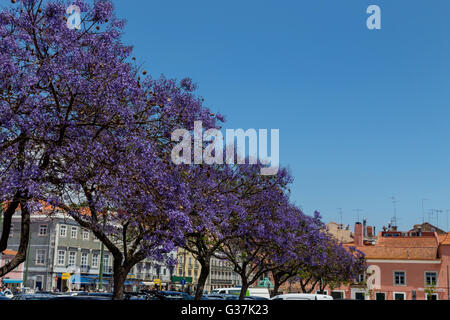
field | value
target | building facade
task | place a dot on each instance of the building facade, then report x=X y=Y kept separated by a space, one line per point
x=13 y=279
x=412 y=265
x=59 y=247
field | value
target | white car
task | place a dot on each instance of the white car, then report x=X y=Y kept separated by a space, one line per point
x=7 y=293
x=254 y=292
x=302 y=296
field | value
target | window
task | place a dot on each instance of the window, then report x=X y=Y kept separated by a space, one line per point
x=380 y=296
x=72 y=256
x=62 y=231
x=431 y=296
x=84 y=258
x=399 y=296
x=42 y=230
x=431 y=278
x=399 y=278
x=40 y=257
x=95 y=260
x=105 y=260
x=74 y=232
x=61 y=257
x=337 y=294
x=85 y=235
x=360 y=278
x=360 y=296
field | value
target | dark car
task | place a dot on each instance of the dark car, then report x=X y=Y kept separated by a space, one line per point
x=4 y=298
x=219 y=296
x=95 y=294
x=143 y=296
x=175 y=295
x=80 y=298
x=255 y=298
x=36 y=296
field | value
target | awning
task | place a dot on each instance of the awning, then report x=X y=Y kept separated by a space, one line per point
x=12 y=281
x=135 y=282
x=83 y=280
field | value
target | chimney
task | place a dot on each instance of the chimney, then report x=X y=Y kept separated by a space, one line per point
x=370 y=231
x=359 y=240
x=364 y=228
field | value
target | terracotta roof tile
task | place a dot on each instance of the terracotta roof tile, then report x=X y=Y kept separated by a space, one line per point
x=8 y=252
x=444 y=239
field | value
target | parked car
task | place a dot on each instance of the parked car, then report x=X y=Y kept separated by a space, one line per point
x=95 y=294
x=255 y=298
x=36 y=296
x=254 y=292
x=175 y=295
x=143 y=296
x=8 y=294
x=4 y=298
x=79 y=298
x=217 y=296
x=302 y=296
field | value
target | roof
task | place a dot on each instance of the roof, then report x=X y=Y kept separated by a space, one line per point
x=444 y=239
x=403 y=248
x=8 y=252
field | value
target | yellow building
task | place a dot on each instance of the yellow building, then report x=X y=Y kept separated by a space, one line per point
x=187 y=267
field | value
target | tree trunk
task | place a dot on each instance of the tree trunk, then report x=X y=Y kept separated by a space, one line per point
x=7 y=217
x=204 y=273
x=243 y=289
x=276 y=287
x=24 y=239
x=120 y=276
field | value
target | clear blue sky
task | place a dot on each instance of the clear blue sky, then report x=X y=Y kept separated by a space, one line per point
x=363 y=115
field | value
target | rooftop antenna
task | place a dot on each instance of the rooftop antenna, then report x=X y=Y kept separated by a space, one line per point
x=340 y=216
x=358 y=211
x=437 y=217
x=394 y=218
x=447 y=211
x=423 y=210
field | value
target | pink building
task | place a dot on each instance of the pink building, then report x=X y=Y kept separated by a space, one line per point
x=402 y=266
x=14 y=279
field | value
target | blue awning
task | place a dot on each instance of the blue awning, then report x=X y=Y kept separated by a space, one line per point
x=12 y=281
x=82 y=280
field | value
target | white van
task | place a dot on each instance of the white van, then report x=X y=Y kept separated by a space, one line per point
x=302 y=296
x=253 y=292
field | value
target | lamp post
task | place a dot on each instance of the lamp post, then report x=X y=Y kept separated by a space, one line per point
x=25 y=278
x=100 y=275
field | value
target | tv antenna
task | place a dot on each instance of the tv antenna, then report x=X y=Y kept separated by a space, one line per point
x=358 y=211
x=394 y=218
x=340 y=216
x=423 y=210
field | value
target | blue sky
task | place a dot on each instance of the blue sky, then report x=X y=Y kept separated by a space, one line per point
x=363 y=115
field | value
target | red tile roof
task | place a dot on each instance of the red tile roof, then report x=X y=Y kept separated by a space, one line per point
x=401 y=248
x=8 y=252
